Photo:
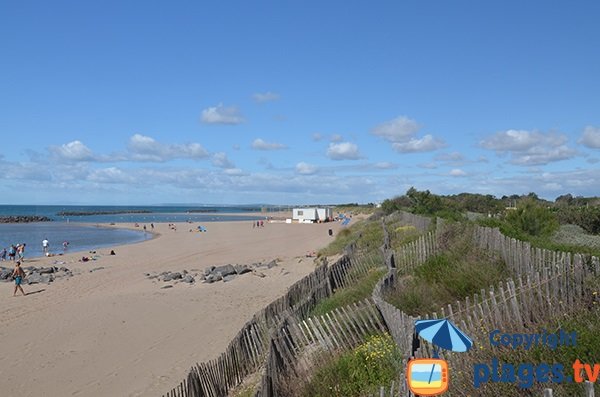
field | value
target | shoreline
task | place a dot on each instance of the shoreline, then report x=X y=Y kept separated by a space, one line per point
x=142 y=339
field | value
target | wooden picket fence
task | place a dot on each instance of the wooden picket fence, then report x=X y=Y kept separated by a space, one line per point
x=247 y=352
x=297 y=344
x=543 y=282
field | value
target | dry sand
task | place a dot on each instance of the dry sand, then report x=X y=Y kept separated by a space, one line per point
x=113 y=332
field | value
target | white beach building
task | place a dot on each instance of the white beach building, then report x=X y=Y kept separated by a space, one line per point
x=312 y=214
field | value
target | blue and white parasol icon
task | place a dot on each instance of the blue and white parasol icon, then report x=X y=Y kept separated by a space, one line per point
x=443 y=334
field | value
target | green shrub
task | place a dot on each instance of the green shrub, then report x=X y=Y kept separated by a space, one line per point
x=360 y=290
x=374 y=363
x=460 y=271
x=533 y=219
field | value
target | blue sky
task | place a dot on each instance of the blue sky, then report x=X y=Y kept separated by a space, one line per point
x=296 y=102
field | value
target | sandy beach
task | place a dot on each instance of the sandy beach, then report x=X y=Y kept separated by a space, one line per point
x=114 y=332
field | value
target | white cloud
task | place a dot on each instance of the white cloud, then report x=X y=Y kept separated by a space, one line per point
x=543 y=155
x=220 y=160
x=110 y=175
x=590 y=137
x=450 y=157
x=385 y=165
x=259 y=144
x=222 y=115
x=529 y=147
x=337 y=138
x=265 y=97
x=553 y=186
x=426 y=144
x=457 y=172
x=343 y=151
x=72 y=151
x=234 y=172
x=520 y=140
x=145 y=148
x=317 y=137
x=303 y=168
x=399 y=129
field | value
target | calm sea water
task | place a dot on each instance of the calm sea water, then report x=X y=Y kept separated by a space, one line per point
x=86 y=238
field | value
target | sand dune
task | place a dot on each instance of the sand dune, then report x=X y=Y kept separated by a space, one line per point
x=115 y=332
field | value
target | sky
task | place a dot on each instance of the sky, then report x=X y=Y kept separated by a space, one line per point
x=281 y=102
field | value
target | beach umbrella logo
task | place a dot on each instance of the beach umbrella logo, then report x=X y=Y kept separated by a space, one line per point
x=443 y=334
x=429 y=376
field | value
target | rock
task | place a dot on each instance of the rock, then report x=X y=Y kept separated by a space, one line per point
x=5 y=274
x=166 y=286
x=176 y=275
x=224 y=270
x=46 y=270
x=34 y=278
x=47 y=278
x=272 y=264
x=185 y=272
x=167 y=277
x=209 y=279
x=242 y=269
x=229 y=277
x=208 y=270
x=189 y=279
x=259 y=274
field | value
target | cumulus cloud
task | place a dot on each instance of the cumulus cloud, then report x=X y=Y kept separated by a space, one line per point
x=590 y=137
x=402 y=133
x=265 y=97
x=145 y=148
x=397 y=130
x=259 y=144
x=220 y=160
x=457 y=172
x=303 y=168
x=222 y=115
x=343 y=151
x=72 y=151
x=529 y=147
x=426 y=144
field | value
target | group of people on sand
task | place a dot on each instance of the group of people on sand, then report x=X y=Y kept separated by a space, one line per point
x=257 y=224
x=14 y=252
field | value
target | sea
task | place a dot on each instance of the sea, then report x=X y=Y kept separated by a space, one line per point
x=84 y=233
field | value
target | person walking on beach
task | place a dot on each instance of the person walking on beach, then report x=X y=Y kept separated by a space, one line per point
x=12 y=251
x=3 y=254
x=18 y=274
x=45 y=245
x=65 y=245
x=21 y=252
